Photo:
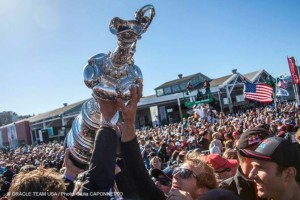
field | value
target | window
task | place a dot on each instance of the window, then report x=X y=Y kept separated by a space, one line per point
x=194 y=81
x=159 y=92
x=167 y=90
x=240 y=98
x=175 y=88
x=183 y=86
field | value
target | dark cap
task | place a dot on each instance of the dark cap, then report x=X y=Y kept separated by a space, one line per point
x=278 y=150
x=252 y=137
x=219 y=194
x=151 y=154
x=167 y=173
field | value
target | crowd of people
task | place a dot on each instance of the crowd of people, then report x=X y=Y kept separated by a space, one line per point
x=252 y=154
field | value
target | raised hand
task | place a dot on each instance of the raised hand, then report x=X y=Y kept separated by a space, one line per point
x=129 y=113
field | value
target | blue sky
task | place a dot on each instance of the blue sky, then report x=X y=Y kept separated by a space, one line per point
x=44 y=44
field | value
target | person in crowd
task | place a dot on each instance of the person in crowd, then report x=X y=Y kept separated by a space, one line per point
x=163 y=153
x=155 y=163
x=204 y=140
x=206 y=86
x=194 y=176
x=2 y=192
x=240 y=183
x=215 y=145
x=37 y=184
x=162 y=179
x=224 y=168
x=275 y=169
x=2 y=169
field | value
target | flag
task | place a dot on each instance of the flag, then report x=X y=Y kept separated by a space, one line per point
x=258 y=92
x=282 y=92
x=282 y=84
x=293 y=70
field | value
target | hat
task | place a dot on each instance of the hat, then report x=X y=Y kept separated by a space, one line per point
x=252 y=137
x=167 y=173
x=277 y=120
x=218 y=162
x=151 y=154
x=177 y=143
x=278 y=150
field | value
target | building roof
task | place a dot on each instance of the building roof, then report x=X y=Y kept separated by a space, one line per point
x=181 y=80
x=56 y=112
x=252 y=75
x=219 y=81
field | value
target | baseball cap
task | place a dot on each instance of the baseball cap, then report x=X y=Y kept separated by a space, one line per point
x=252 y=137
x=276 y=149
x=167 y=173
x=219 y=163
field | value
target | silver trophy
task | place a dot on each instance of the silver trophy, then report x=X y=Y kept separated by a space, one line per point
x=109 y=76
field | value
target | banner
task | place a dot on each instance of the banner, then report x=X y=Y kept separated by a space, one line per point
x=282 y=92
x=154 y=116
x=1 y=143
x=12 y=136
x=162 y=113
x=293 y=70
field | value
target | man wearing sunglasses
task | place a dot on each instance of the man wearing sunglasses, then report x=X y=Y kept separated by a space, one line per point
x=194 y=176
x=162 y=179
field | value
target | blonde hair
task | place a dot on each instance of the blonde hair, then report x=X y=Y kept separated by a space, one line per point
x=206 y=178
x=154 y=159
x=40 y=180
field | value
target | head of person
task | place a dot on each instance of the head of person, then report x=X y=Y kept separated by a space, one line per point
x=155 y=162
x=40 y=180
x=195 y=177
x=250 y=139
x=275 y=168
x=224 y=168
x=162 y=179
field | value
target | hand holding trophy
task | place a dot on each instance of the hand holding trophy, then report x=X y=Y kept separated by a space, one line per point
x=109 y=76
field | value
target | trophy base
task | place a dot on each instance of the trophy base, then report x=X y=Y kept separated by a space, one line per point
x=74 y=161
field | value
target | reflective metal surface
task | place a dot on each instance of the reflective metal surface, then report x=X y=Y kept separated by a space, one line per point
x=109 y=76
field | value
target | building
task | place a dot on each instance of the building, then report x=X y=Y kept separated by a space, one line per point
x=169 y=104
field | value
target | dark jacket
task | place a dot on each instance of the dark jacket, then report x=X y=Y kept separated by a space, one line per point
x=133 y=159
x=241 y=186
x=101 y=173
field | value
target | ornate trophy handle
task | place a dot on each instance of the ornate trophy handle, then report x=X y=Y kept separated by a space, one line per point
x=143 y=19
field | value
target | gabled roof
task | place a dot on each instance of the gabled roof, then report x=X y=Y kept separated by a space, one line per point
x=253 y=75
x=219 y=81
x=181 y=80
x=56 y=112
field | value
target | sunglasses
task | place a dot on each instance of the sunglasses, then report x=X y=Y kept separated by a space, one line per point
x=184 y=173
x=163 y=181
